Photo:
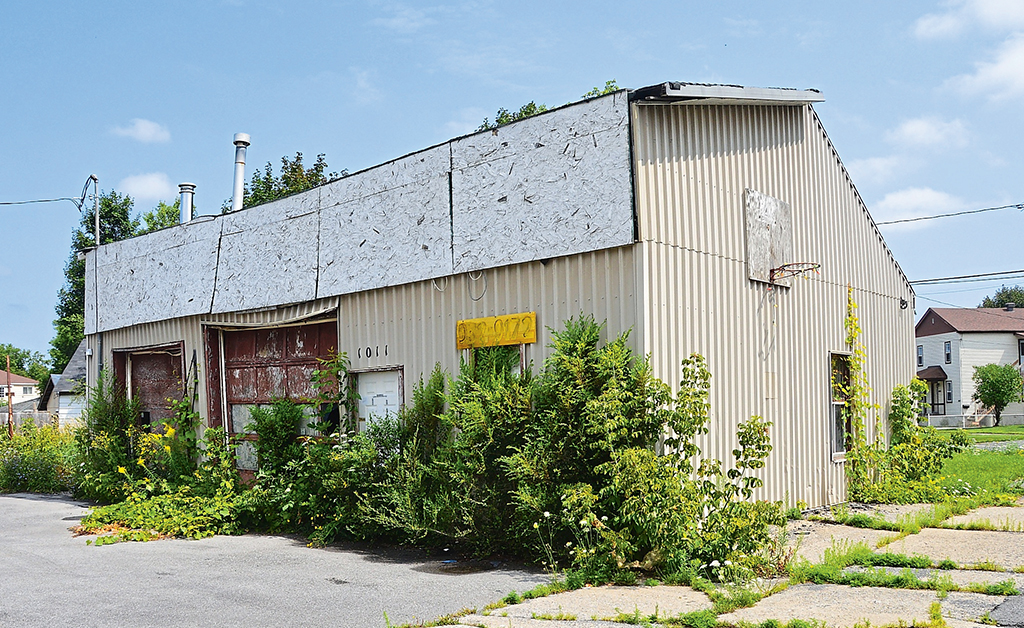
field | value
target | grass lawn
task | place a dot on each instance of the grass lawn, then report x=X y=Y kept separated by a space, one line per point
x=995 y=434
x=996 y=471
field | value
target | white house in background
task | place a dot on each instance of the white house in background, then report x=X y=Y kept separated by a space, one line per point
x=950 y=343
x=23 y=387
x=63 y=397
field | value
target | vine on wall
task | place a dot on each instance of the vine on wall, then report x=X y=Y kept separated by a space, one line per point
x=861 y=458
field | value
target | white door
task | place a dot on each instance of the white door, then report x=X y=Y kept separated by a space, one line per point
x=380 y=394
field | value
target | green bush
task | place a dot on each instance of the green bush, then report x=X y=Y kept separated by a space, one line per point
x=37 y=460
x=905 y=472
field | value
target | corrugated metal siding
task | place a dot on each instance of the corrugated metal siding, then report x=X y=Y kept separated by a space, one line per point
x=413 y=325
x=768 y=351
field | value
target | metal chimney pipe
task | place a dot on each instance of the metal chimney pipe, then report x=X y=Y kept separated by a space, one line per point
x=241 y=142
x=187 y=190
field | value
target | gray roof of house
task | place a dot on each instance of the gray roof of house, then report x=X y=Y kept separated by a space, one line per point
x=68 y=381
x=74 y=372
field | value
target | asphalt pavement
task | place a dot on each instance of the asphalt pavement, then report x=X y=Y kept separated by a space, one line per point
x=49 y=579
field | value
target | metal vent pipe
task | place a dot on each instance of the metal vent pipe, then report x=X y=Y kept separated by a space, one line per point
x=187 y=190
x=241 y=142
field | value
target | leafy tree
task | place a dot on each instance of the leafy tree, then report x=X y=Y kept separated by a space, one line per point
x=1003 y=296
x=504 y=116
x=116 y=224
x=998 y=386
x=161 y=216
x=31 y=364
x=609 y=87
x=265 y=186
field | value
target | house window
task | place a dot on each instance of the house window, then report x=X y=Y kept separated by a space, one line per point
x=26 y=390
x=1020 y=351
x=3 y=391
x=948 y=350
x=839 y=416
x=920 y=356
x=949 y=391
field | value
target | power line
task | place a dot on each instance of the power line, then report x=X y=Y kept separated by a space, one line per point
x=42 y=200
x=79 y=202
x=1005 y=274
x=1019 y=206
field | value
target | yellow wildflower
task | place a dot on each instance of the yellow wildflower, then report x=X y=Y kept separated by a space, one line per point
x=167 y=448
x=170 y=432
x=122 y=470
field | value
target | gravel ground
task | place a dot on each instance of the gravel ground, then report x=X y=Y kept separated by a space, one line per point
x=1001 y=445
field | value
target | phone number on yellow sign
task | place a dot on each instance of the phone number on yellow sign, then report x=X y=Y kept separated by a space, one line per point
x=496 y=331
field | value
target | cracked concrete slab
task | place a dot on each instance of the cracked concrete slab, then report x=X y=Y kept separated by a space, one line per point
x=844 y=607
x=960 y=577
x=598 y=603
x=965 y=547
x=812 y=538
x=1004 y=518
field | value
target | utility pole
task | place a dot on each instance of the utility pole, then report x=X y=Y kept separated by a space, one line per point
x=10 y=401
x=96 y=205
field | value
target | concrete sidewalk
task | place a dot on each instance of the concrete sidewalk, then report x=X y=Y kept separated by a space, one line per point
x=836 y=605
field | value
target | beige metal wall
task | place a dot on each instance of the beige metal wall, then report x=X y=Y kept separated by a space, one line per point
x=768 y=351
x=416 y=322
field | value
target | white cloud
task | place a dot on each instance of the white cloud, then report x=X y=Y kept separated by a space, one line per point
x=468 y=120
x=998 y=15
x=743 y=28
x=365 y=92
x=145 y=131
x=929 y=132
x=153 y=186
x=1001 y=78
x=914 y=203
x=405 y=20
x=877 y=169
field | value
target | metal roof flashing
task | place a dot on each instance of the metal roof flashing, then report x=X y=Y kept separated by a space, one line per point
x=711 y=94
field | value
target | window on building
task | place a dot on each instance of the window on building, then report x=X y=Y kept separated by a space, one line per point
x=26 y=390
x=3 y=390
x=1020 y=351
x=949 y=391
x=920 y=356
x=947 y=349
x=839 y=418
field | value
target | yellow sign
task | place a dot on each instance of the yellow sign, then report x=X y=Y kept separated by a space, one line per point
x=496 y=331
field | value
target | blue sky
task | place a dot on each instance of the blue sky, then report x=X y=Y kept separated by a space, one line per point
x=923 y=101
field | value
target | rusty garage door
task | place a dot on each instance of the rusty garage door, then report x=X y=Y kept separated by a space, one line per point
x=262 y=364
x=152 y=376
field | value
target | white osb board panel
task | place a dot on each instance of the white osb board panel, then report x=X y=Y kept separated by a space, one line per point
x=553 y=185
x=268 y=255
x=769 y=235
x=165 y=274
x=386 y=226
